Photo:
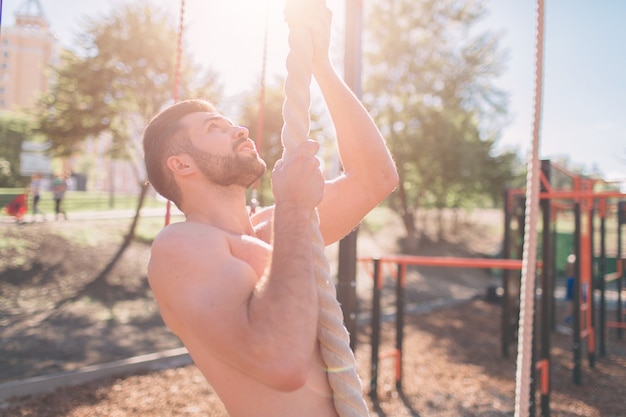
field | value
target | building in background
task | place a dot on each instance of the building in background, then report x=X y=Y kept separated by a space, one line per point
x=27 y=50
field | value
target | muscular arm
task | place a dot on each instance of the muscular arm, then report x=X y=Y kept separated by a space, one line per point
x=283 y=309
x=369 y=172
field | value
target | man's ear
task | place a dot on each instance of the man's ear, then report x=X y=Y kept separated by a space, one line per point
x=180 y=164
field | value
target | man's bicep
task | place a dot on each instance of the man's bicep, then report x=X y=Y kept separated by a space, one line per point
x=343 y=207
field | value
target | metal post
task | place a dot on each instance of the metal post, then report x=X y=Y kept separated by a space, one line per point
x=375 y=340
x=346 y=272
x=400 y=287
x=620 y=221
x=576 y=343
x=506 y=275
x=546 y=291
x=602 y=272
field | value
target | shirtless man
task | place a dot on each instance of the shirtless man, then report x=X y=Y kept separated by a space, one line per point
x=240 y=290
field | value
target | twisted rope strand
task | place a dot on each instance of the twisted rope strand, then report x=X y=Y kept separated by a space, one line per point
x=529 y=264
x=332 y=335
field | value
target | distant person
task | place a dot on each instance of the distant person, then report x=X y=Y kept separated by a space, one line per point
x=59 y=187
x=36 y=183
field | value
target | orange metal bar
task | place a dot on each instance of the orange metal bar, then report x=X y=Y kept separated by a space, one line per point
x=543 y=367
x=563 y=170
x=591 y=342
x=545 y=182
x=397 y=355
x=573 y=194
x=452 y=262
x=398 y=365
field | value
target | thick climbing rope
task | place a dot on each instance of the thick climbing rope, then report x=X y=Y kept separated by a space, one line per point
x=332 y=335
x=529 y=261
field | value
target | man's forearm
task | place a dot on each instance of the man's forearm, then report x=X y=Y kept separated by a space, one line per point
x=284 y=307
x=361 y=145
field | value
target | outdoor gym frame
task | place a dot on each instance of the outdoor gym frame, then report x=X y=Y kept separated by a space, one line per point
x=402 y=262
x=584 y=202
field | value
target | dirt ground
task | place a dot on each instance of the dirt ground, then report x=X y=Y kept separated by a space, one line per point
x=53 y=320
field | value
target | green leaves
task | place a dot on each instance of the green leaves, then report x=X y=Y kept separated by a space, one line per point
x=122 y=74
x=430 y=86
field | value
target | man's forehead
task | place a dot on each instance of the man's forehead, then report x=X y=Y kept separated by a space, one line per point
x=200 y=118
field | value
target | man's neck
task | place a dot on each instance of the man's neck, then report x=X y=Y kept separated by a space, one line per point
x=224 y=209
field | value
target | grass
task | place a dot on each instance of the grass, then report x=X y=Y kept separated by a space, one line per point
x=76 y=201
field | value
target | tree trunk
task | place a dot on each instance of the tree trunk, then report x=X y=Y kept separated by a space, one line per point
x=409 y=243
x=128 y=239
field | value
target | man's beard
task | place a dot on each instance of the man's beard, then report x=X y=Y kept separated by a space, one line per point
x=229 y=169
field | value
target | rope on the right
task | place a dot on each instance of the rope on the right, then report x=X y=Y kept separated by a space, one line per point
x=529 y=261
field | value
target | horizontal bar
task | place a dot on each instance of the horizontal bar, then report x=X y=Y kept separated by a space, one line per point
x=452 y=262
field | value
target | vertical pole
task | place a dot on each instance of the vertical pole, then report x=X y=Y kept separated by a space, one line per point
x=377 y=288
x=602 y=282
x=555 y=254
x=576 y=342
x=546 y=292
x=400 y=291
x=621 y=219
x=346 y=271
x=591 y=307
x=506 y=276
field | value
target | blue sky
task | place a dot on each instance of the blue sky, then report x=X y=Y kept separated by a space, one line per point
x=583 y=114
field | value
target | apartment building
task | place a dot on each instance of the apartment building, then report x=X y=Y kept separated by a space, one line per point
x=27 y=49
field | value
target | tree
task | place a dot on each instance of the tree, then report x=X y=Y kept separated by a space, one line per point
x=122 y=74
x=429 y=85
x=14 y=130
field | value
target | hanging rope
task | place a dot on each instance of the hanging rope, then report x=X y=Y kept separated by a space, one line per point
x=332 y=335
x=529 y=262
x=254 y=200
x=176 y=92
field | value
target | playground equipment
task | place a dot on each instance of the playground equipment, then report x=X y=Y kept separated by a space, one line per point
x=583 y=202
x=401 y=263
x=552 y=201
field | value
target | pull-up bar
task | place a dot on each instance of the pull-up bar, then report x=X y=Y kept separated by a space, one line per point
x=401 y=263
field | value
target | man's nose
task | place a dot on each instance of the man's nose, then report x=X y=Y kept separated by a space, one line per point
x=241 y=132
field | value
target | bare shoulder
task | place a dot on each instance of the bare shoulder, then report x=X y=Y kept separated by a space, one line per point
x=198 y=272
x=181 y=251
x=186 y=239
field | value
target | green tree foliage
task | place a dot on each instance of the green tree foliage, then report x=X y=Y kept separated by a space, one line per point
x=429 y=85
x=14 y=130
x=121 y=75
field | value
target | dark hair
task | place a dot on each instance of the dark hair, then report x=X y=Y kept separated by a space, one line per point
x=163 y=137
